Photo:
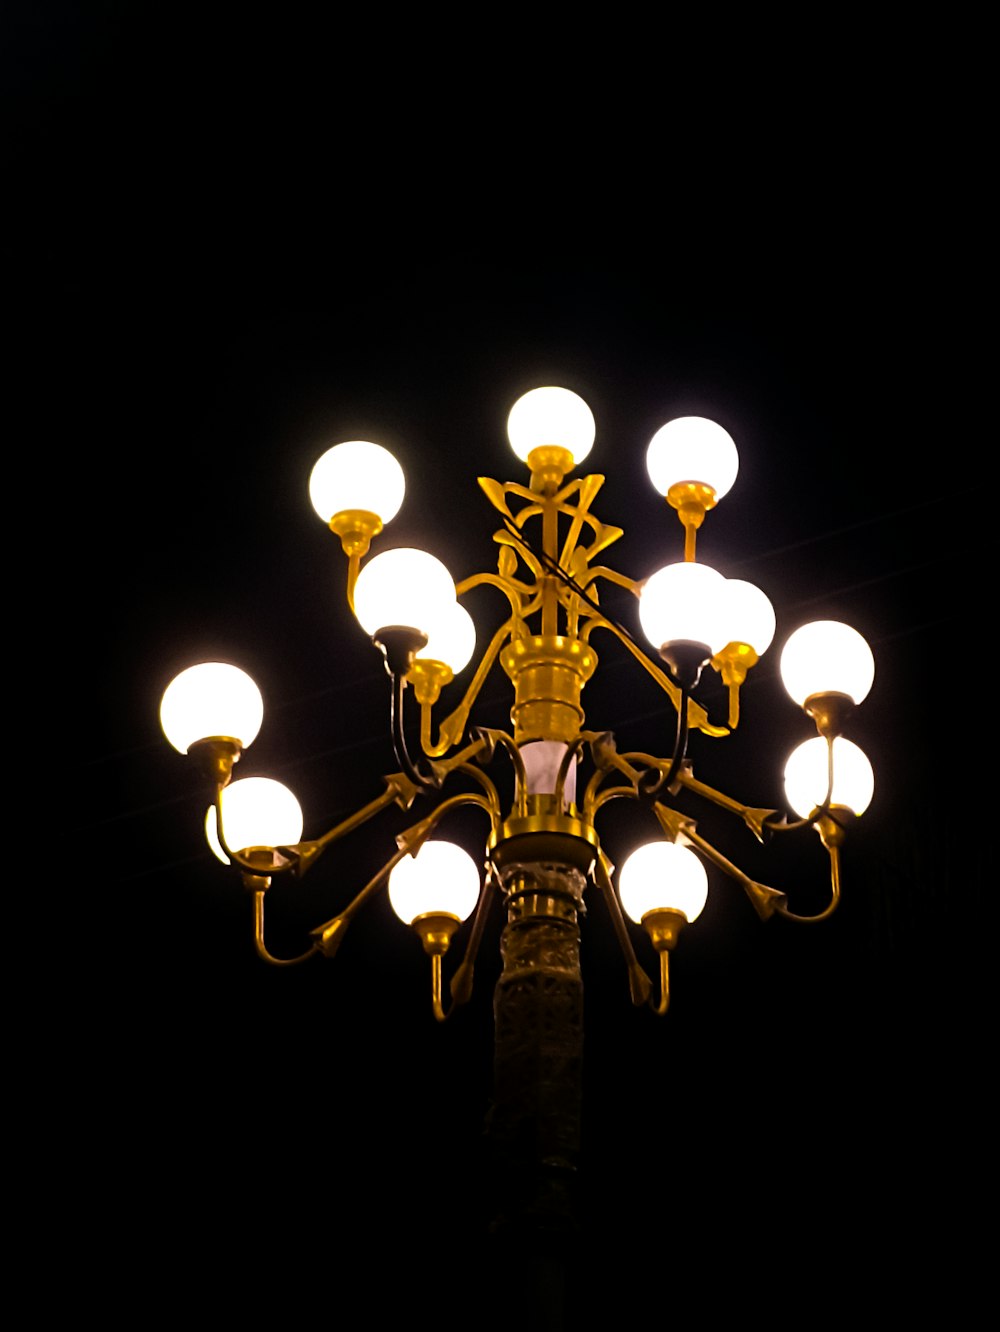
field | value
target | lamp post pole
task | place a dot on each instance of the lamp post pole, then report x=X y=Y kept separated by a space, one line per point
x=546 y=849
x=535 y=1124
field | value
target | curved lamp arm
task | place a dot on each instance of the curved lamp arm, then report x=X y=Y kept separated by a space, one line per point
x=461 y=981
x=832 y=832
x=452 y=726
x=258 y=937
x=640 y=986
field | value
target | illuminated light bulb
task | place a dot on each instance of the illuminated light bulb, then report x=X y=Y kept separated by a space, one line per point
x=687 y=603
x=827 y=657
x=403 y=587
x=692 y=449
x=750 y=616
x=440 y=878
x=551 y=417
x=213 y=699
x=357 y=475
x=256 y=811
x=663 y=876
x=451 y=638
x=807 y=776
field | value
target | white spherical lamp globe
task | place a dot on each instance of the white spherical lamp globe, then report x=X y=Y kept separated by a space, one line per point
x=807 y=777
x=685 y=602
x=827 y=657
x=663 y=875
x=403 y=587
x=551 y=416
x=750 y=615
x=441 y=879
x=213 y=699
x=256 y=811
x=692 y=448
x=451 y=639
x=357 y=475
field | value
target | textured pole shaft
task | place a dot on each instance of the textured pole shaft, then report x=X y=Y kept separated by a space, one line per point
x=534 y=1127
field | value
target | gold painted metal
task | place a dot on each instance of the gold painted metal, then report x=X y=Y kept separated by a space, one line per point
x=697 y=716
x=216 y=756
x=733 y=663
x=551 y=586
x=556 y=838
x=549 y=673
x=258 y=931
x=663 y=927
x=461 y=981
x=640 y=986
x=258 y=863
x=692 y=500
x=832 y=828
x=435 y=930
x=356 y=527
x=428 y=678
x=329 y=935
x=453 y=726
x=549 y=463
x=829 y=712
x=303 y=855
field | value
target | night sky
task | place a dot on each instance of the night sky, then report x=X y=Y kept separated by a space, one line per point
x=220 y=307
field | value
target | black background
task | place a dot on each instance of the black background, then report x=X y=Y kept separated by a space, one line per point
x=236 y=261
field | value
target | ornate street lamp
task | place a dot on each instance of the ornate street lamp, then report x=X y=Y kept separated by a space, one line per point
x=543 y=852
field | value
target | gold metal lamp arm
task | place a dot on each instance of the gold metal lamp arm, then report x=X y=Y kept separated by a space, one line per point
x=452 y=727
x=766 y=901
x=398 y=790
x=356 y=528
x=696 y=714
x=436 y=929
x=258 y=863
x=640 y=986
x=832 y=833
x=677 y=826
x=329 y=935
x=758 y=820
x=660 y=1008
x=461 y=981
x=662 y=927
x=258 y=937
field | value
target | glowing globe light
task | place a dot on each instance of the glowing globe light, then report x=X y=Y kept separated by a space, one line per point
x=692 y=448
x=551 y=416
x=663 y=875
x=357 y=475
x=685 y=602
x=750 y=616
x=827 y=657
x=403 y=587
x=807 y=776
x=440 y=878
x=256 y=811
x=451 y=638
x=213 y=699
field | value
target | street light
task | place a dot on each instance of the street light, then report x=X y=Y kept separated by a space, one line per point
x=543 y=851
